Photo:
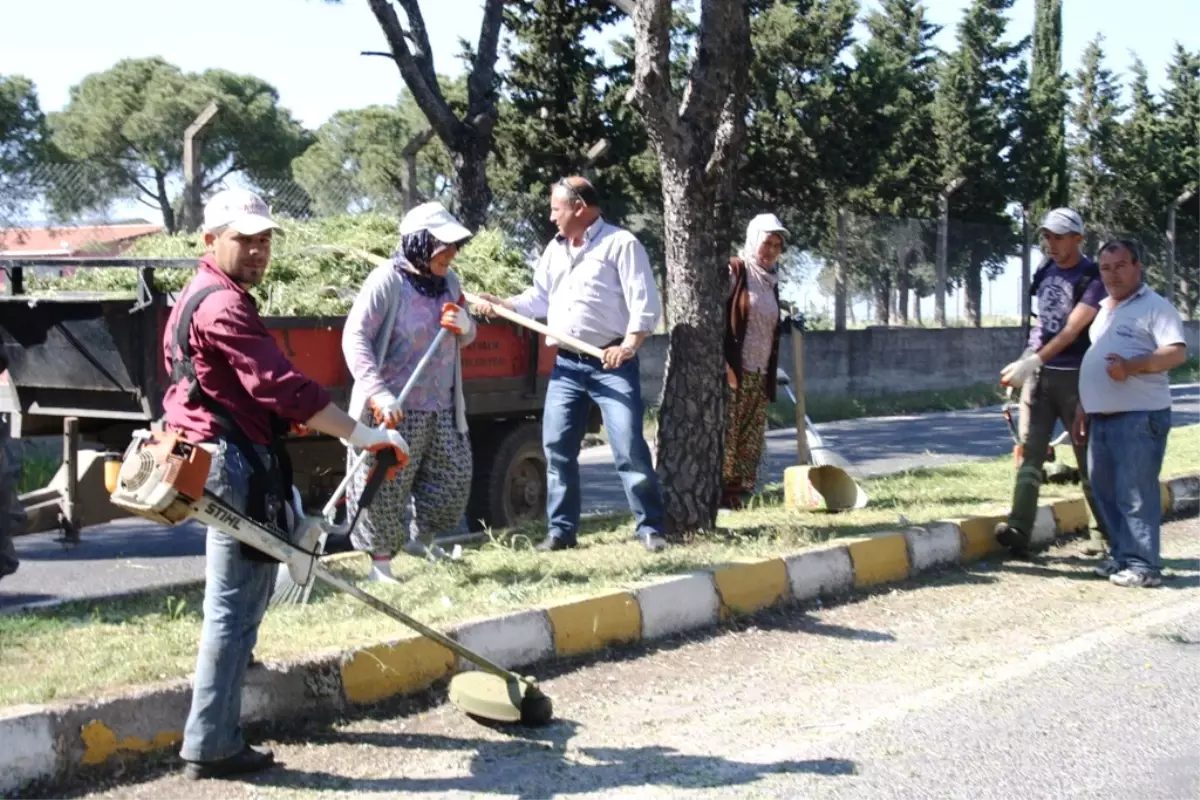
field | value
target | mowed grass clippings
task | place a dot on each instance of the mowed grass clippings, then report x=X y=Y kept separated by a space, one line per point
x=84 y=648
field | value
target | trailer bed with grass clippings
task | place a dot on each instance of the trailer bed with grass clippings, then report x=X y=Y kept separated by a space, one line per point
x=89 y=367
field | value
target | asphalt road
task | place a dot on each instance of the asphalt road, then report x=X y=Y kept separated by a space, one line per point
x=132 y=555
x=999 y=680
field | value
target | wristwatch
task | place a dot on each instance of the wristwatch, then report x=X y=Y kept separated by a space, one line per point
x=628 y=351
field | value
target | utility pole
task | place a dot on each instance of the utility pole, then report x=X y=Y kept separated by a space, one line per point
x=939 y=291
x=191 y=167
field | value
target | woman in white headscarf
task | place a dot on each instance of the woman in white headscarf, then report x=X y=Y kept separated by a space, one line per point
x=751 y=353
x=402 y=306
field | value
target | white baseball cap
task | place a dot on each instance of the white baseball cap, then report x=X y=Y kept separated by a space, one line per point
x=433 y=217
x=767 y=223
x=1062 y=220
x=240 y=209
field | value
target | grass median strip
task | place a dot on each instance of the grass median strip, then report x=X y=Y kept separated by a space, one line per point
x=85 y=648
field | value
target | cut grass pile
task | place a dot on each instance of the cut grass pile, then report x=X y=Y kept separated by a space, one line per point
x=85 y=648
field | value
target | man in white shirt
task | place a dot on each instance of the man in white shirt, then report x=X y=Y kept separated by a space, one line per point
x=1124 y=413
x=593 y=282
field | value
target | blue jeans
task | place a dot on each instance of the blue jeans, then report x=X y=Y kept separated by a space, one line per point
x=1125 y=456
x=236 y=591
x=576 y=379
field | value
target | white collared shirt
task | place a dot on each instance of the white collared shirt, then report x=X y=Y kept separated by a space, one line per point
x=598 y=292
x=1135 y=327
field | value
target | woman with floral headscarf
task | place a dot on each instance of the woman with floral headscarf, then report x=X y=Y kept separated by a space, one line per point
x=751 y=353
x=394 y=319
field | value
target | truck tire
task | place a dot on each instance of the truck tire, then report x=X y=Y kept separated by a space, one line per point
x=509 y=485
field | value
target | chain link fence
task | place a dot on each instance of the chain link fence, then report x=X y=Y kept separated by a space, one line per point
x=888 y=266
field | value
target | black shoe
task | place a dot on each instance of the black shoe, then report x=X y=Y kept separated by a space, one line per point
x=251 y=759
x=653 y=542
x=554 y=543
x=1013 y=539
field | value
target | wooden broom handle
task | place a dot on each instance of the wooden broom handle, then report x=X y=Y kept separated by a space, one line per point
x=534 y=325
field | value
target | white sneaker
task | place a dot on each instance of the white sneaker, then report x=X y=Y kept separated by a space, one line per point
x=381 y=571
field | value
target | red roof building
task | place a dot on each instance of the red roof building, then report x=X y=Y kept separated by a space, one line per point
x=69 y=241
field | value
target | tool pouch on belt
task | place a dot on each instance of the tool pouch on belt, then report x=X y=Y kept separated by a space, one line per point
x=269 y=491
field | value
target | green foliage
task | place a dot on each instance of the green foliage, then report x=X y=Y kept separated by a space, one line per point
x=560 y=99
x=357 y=162
x=1094 y=143
x=807 y=142
x=314 y=270
x=976 y=112
x=1040 y=157
x=127 y=123
x=22 y=143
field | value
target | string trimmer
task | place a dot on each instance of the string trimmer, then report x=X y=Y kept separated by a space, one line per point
x=162 y=478
x=1055 y=472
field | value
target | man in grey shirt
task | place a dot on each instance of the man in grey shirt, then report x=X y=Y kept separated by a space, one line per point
x=1124 y=413
x=593 y=282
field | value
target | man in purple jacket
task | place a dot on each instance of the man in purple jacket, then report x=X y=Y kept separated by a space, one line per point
x=233 y=390
x=1068 y=291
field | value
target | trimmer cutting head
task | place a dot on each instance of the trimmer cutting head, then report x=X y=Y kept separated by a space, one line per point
x=491 y=698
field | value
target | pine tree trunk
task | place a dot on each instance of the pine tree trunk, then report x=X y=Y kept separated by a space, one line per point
x=690 y=448
x=974 y=295
x=698 y=140
x=902 y=291
x=472 y=191
x=917 y=311
x=883 y=291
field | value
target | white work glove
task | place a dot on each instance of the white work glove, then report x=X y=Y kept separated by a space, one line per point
x=376 y=440
x=386 y=409
x=1016 y=373
x=456 y=320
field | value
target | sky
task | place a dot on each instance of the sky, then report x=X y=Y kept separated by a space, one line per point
x=310 y=49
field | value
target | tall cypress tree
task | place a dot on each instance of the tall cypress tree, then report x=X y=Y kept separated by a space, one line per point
x=1047 y=135
x=976 y=111
x=1181 y=166
x=895 y=77
x=559 y=102
x=1094 y=155
x=808 y=143
x=1141 y=151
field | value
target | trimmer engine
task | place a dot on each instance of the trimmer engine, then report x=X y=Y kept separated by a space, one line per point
x=161 y=475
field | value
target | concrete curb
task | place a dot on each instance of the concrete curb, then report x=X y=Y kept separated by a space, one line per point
x=51 y=743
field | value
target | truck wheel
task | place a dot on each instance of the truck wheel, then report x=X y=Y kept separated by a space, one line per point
x=509 y=486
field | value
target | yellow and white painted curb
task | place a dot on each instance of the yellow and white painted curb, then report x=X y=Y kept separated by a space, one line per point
x=45 y=744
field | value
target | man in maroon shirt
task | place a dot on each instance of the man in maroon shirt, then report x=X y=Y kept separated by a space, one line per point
x=233 y=390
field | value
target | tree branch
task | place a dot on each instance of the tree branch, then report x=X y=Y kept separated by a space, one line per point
x=719 y=69
x=416 y=143
x=426 y=92
x=652 y=67
x=726 y=139
x=481 y=85
x=418 y=34
x=219 y=178
x=627 y=7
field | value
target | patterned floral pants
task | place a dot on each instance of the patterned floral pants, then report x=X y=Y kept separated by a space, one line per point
x=744 y=433
x=437 y=481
